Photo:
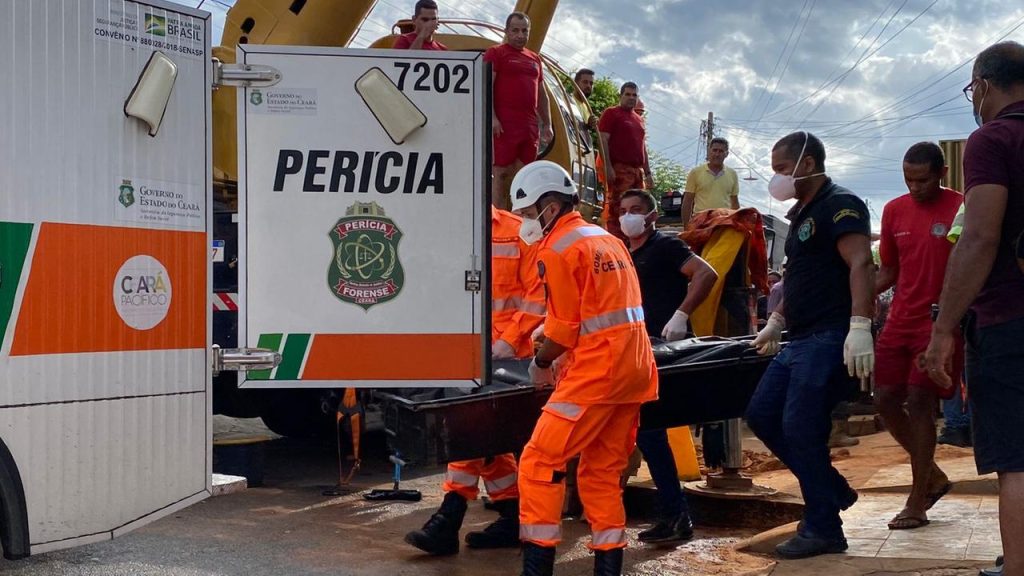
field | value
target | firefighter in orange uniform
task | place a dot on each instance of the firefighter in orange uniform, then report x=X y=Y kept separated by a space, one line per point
x=595 y=318
x=517 y=308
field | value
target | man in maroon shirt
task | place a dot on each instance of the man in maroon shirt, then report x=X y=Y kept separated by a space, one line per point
x=425 y=20
x=983 y=275
x=914 y=252
x=623 y=135
x=519 y=100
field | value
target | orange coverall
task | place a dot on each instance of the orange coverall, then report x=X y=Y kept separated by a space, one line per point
x=594 y=309
x=517 y=308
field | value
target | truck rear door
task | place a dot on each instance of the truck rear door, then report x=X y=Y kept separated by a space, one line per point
x=363 y=217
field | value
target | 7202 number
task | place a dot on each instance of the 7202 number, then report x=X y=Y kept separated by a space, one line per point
x=438 y=78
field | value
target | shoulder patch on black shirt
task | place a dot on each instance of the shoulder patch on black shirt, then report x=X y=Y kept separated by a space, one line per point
x=845 y=213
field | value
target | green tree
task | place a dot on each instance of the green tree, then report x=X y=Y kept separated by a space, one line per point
x=605 y=94
x=668 y=174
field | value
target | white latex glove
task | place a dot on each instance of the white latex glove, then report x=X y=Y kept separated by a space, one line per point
x=859 y=348
x=501 y=350
x=538 y=334
x=769 y=339
x=540 y=377
x=676 y=327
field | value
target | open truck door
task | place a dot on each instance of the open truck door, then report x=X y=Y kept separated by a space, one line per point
x=104 y=268
x=363 y=217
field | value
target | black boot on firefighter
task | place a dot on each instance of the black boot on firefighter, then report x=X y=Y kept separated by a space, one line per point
x=608 y=562
x=503 y=532
x=440 y=535
x=538 y=560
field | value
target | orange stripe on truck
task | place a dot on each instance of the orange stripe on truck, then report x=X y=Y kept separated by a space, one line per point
x=69 y=304
x=393 y=357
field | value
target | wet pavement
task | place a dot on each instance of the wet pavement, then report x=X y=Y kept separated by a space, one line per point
x=288 y=527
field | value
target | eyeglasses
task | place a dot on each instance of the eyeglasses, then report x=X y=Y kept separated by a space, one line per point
x=969 y=89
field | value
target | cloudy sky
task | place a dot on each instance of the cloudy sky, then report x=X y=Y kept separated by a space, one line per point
x=869 y=77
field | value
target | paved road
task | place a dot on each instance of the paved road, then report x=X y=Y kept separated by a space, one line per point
x=288 y=527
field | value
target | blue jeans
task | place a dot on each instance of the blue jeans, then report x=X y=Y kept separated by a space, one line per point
x=955 y=412
x=654 y=446
x=791 y=413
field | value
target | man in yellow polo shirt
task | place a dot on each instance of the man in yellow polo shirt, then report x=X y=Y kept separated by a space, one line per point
x=711 y=185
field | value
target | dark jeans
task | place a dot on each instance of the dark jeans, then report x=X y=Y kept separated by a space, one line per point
x=791 y=413
x=654 y=446
x=995 y=380
x=955 y=412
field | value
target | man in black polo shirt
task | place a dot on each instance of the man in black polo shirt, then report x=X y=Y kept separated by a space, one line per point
x=827 y=305
x=673 y=281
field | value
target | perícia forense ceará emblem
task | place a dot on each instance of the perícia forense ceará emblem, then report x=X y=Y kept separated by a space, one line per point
x=365 y=270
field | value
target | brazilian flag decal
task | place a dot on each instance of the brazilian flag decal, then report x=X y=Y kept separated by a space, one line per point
x=14 y=241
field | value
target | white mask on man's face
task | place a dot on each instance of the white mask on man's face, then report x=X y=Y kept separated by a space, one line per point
x=531 y=230
x=783 y=186
x=634 y=225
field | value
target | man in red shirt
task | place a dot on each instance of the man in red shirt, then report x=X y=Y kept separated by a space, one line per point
x=914 y=251
x=519 y=99
x=425 y=20
x=623 y=135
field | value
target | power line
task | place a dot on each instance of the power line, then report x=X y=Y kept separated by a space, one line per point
x=838 y=64
x=873 y=52
x=788 y=59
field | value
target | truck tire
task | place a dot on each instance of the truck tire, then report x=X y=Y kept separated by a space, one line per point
x=295 y=413
x=14 y=537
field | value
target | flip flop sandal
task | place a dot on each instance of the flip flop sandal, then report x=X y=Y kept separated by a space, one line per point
x=905 y=522
x=934 y=497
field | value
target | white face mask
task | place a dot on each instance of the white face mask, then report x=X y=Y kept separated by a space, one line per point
x=634 y=225
x=531 y=230
x=783 y=186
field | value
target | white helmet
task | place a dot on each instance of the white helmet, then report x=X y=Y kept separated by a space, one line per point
x=537 y=179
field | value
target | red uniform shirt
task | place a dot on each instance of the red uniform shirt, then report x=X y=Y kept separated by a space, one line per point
x=626 y=134
x=914 y=239
x=517 y=77
x=405 y=41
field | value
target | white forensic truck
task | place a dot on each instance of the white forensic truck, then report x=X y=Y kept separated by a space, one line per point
x=363 y=246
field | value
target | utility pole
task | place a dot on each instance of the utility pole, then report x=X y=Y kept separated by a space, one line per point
x=707 y=132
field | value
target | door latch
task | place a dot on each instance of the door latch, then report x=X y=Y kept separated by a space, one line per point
x=243 y=359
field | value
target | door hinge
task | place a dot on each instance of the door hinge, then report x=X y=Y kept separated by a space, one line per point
x=243 y=359
x=244 y=75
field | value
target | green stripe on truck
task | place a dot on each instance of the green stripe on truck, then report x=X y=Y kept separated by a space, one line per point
x=291 y=359
x=14 y=241
x=269 y=342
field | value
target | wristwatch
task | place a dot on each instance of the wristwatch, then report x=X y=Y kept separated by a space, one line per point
x=541 y=364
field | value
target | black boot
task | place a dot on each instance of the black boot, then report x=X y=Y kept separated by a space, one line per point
x=440 y=535
x=503 y=532
x=538 y=560
x=675 y=529
x=608 y=562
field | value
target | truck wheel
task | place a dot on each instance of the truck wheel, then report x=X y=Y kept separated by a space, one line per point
x=295 y=414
